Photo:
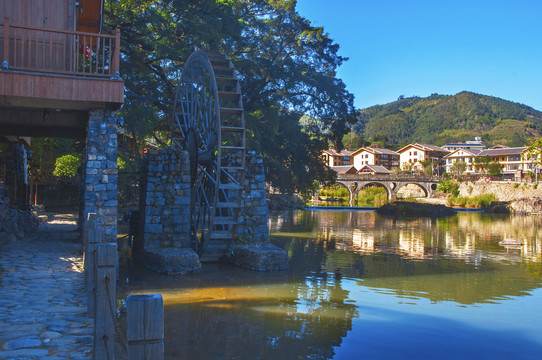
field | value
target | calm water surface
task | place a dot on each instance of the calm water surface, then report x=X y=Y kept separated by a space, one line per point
x=364 y=286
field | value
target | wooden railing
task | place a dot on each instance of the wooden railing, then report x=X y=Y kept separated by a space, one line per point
x=27 y=48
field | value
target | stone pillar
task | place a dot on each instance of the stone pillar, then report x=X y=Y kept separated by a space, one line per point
x=167 y=199
x=165 y=213
x=252 y=248
x=254 y=209
x=100 y=172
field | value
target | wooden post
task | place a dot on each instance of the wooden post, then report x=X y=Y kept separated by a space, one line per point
x=106 y=298
x=92 y=237
x=145 y=327
x=116 y=52
x=6 y=39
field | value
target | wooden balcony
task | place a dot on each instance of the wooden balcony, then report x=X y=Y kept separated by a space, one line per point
x=59 y=69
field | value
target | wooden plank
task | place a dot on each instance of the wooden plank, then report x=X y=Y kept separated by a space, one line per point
x=106 y=279
x=145 y=327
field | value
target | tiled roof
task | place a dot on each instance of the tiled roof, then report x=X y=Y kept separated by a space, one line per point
x=424 y=147
x=379 y=169
x=473 y=152
x=334 y=152
x=375 y=150
x=431 y=148
x=502 y=151
x=344 y=169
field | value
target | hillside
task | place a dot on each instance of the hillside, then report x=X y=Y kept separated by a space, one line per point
x=440 y=119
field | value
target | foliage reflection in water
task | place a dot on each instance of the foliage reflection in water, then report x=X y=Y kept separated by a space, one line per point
x=363 y=284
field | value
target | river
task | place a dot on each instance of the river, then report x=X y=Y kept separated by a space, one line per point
x=365 y=286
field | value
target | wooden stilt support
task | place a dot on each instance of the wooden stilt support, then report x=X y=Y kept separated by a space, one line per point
x=106 y=298
x=145 y=327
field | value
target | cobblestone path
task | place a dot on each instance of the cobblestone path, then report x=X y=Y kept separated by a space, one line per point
x=43 y=305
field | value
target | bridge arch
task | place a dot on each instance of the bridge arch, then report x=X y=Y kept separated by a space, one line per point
x=341 y=184
x=366 y=185
x=423 y=187
x=392 y=183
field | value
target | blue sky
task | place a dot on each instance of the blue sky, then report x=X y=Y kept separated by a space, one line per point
x=420 y=47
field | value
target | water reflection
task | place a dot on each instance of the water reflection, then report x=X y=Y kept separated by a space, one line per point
x=255 y=320
x=355 y=279
x=452 y=259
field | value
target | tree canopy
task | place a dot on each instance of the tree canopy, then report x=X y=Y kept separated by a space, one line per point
x=287 y=68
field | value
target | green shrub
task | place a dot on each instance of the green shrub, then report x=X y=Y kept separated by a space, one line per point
x=448 y=186
x=66 y=166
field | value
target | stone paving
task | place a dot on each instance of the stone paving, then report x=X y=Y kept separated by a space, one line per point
x=43 y=305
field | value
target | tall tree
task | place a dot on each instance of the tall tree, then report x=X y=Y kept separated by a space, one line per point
x=284 y=63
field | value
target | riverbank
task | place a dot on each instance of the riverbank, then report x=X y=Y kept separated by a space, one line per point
x=42 y=295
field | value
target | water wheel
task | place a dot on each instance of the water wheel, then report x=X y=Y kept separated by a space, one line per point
x=209 y=123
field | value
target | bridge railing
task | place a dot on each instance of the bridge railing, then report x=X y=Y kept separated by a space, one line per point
x=387 y=177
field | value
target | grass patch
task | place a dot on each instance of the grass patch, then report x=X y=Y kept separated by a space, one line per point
x=373 y=196
x=472 y=202
x=335 y=191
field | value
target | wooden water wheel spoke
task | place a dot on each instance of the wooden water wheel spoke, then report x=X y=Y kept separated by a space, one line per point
x=209 y=123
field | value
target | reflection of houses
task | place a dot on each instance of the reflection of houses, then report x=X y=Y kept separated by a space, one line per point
x=463 y=248
x=333 y=157
x=416 y=153
x=375 y=156
x=461 y=155
x=411 y=244
x=363 y=240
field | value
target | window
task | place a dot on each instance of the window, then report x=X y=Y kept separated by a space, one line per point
x=415 y=153
x=514 y=158
x=366 y=156
x=450 y=161
x=384 y=156
x=470 y=160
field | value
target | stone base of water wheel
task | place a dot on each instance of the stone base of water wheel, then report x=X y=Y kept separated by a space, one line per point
x=172 y=260
x=258 y=257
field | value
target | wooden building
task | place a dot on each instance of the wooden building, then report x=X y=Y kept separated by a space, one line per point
x=59 y=77
x=56 y=66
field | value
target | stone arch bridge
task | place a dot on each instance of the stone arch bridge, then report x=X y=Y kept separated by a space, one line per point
x=392 y=183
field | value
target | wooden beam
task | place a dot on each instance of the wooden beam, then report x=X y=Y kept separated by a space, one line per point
x=39 y=131
x=43 y=117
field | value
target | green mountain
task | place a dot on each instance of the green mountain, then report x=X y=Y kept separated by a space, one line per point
x=441 y=119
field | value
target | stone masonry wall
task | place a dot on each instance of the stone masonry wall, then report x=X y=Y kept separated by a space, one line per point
x=254 y=210
x=101 y=173
x=167 y=199
x=503 y=191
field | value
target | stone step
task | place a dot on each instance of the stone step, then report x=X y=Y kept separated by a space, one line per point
x=223 y=235
x=232 y=186
x=225 y=220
